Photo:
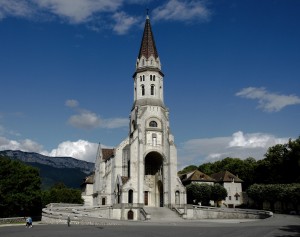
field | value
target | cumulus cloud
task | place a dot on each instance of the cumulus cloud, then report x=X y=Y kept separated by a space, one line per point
x=238 y=145
x=269 y=102
x=23 y=145
x=81 y=150
x=187 y=10
x=85 y=119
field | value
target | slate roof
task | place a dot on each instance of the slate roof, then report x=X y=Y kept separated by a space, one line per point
x=107 y=153
x=197 y=176
x=148 y=47
x=226 y=176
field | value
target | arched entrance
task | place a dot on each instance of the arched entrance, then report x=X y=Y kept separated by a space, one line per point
x=153 y=179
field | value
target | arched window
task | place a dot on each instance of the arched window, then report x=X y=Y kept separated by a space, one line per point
x=143 y=77
x=177 y=198
x=130 y=196
x=150 y=77
x=130 y=215
x=152 y=89
x=153 y=124
x=140 y=78
x=143 y=90
x=153 y=77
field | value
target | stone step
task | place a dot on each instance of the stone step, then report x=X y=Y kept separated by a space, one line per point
x=162 y=214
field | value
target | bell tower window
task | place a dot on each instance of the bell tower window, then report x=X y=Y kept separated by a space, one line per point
x=153 y=124
x=152 y=89
x=143 y=90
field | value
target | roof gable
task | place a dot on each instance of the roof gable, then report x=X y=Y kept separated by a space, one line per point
x=196 y=175
x=107 y=153
x=226 y=176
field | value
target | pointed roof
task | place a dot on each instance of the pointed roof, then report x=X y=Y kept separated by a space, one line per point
x=226 y=176
x=107 y=153
x=196 y=175
x=148 y=47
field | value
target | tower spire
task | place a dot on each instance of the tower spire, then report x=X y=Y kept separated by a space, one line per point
x=148 y=47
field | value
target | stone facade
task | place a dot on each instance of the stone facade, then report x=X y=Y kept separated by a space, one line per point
x=142 y=169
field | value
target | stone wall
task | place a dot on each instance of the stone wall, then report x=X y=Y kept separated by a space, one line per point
x=201 y=212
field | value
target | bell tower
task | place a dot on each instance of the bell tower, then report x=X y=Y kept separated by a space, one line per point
x=142 y=169
x=150 y=132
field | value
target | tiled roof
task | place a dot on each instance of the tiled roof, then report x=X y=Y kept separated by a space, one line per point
x=148 y=47
x=107 y=153
x=226 y=176
x=196 y=175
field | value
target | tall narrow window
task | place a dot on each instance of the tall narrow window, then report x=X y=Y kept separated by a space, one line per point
x=130 y=196
x=143 y=90
x=143 y=77
x=150 y=77
x=153 y=77
x=154 y=139
x=152 y=89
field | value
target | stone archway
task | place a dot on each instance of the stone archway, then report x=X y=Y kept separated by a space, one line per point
x=153 y=179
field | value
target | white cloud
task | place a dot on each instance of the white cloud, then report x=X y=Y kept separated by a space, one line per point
x=17 y=8
x=81 y=150
x=182 y=11
x=123 y=22
x=269 y=102
x=88 y=120
x=239 y=145
x=78 y=11
x=98 y=14
x=23 y=145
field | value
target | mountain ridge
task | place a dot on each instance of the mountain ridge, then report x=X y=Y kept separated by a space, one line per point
x=56 y=162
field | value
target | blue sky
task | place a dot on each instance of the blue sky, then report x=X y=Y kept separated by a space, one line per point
x=232 y=74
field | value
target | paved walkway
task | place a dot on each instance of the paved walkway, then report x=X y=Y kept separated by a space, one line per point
x=279 y=225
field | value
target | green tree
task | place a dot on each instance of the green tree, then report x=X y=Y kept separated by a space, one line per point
x=188 y=169
x=285 y=193
x=281 y=164
x=198 y=193
x=218 y=193
x=256 y=193
x=59 y=193
x=20 y=192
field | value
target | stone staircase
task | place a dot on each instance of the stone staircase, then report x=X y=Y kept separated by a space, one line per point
x=162 y=214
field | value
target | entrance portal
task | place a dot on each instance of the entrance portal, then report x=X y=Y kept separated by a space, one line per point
x=153 y=179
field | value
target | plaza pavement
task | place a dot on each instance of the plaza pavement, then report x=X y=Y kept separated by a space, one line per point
x=276 y=226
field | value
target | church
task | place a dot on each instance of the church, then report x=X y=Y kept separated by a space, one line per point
x=142 y=169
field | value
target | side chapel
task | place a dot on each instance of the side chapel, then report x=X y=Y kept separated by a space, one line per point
x=142 y=169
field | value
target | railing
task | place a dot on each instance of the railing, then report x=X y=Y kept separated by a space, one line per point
x=145 y=214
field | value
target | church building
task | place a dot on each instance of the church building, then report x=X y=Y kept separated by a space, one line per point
x=142 y=169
